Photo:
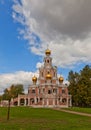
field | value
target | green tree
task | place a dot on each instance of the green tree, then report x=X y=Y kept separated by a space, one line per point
x=0 y=98
x=80 y=86
x=86 y=82
x=17 y=89
x=73 y=79
x=12 y=91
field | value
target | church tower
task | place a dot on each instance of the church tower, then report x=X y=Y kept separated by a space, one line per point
x=48 y=73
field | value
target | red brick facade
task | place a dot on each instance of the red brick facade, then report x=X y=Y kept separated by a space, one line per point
x=48 y=89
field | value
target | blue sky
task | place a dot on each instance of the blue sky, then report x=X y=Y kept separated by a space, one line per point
x=14 y=52
x=27 y=28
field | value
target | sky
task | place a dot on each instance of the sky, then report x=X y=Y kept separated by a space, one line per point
x=27 y=28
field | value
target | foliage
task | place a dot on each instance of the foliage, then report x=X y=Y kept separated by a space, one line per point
x=0 y=97
x=25 y=118
x=12 y=91
x=80 y=87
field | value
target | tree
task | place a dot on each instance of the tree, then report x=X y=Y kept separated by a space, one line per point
x=73 y=79
x=86 y=81
x=12 y=91
x=80 y=86
x=17 y=89
x=0 y=98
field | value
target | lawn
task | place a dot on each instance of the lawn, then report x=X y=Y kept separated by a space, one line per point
x=26 y=118
x=80 y=109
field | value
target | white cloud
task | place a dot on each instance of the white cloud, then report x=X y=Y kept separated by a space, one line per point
x=62 y=24
x=69 y=54
x=38 y=65
x=19 y=77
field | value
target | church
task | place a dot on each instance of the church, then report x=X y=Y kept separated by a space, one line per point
x=48 y=90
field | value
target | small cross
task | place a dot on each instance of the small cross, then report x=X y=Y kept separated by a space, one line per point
x=47 y=46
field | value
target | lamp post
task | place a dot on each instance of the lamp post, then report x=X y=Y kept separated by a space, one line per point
x=8 y=114
x=9 y=100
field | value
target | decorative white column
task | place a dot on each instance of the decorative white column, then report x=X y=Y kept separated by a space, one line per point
x=35 y=100
x=60 y=99
x=25 y=102
x=28 y=101
x=18 y=101
x=38 y=99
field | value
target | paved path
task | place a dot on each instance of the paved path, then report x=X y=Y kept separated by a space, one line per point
x=73 y=112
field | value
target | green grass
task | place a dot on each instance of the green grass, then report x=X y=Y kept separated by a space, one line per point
x=25 y=118
x=80 y=109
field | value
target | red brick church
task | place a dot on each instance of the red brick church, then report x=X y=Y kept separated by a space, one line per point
x=48 y=90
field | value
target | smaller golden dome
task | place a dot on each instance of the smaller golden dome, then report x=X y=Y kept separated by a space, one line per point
x=61 y=79
x=34 y=79
x=47 y=52
x=48 y=76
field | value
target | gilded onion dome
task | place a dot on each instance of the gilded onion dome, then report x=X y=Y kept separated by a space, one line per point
x=48 y=76
x=61 y=79
x=47 y=52
x=34 y=79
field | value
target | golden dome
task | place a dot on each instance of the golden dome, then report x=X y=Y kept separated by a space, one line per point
x=34 y=79
x=48 y=76
x=47 y=52
x=61 y=79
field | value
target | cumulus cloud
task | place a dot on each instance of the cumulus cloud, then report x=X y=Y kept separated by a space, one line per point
x=19 y=77
x=62 y=24
x=39 y=64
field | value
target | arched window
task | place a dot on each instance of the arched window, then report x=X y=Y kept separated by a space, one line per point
x=64 y=100
x=49 y=91
x=48 y=72
x=54 y=73
x=32 y=100
x=63 y=91
x=37 y=100
x=42 y=74
x=33 y=91
x=22 y=101
x=47 y=61
x=40 y=99
x=43 y=90
x=54 y=90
